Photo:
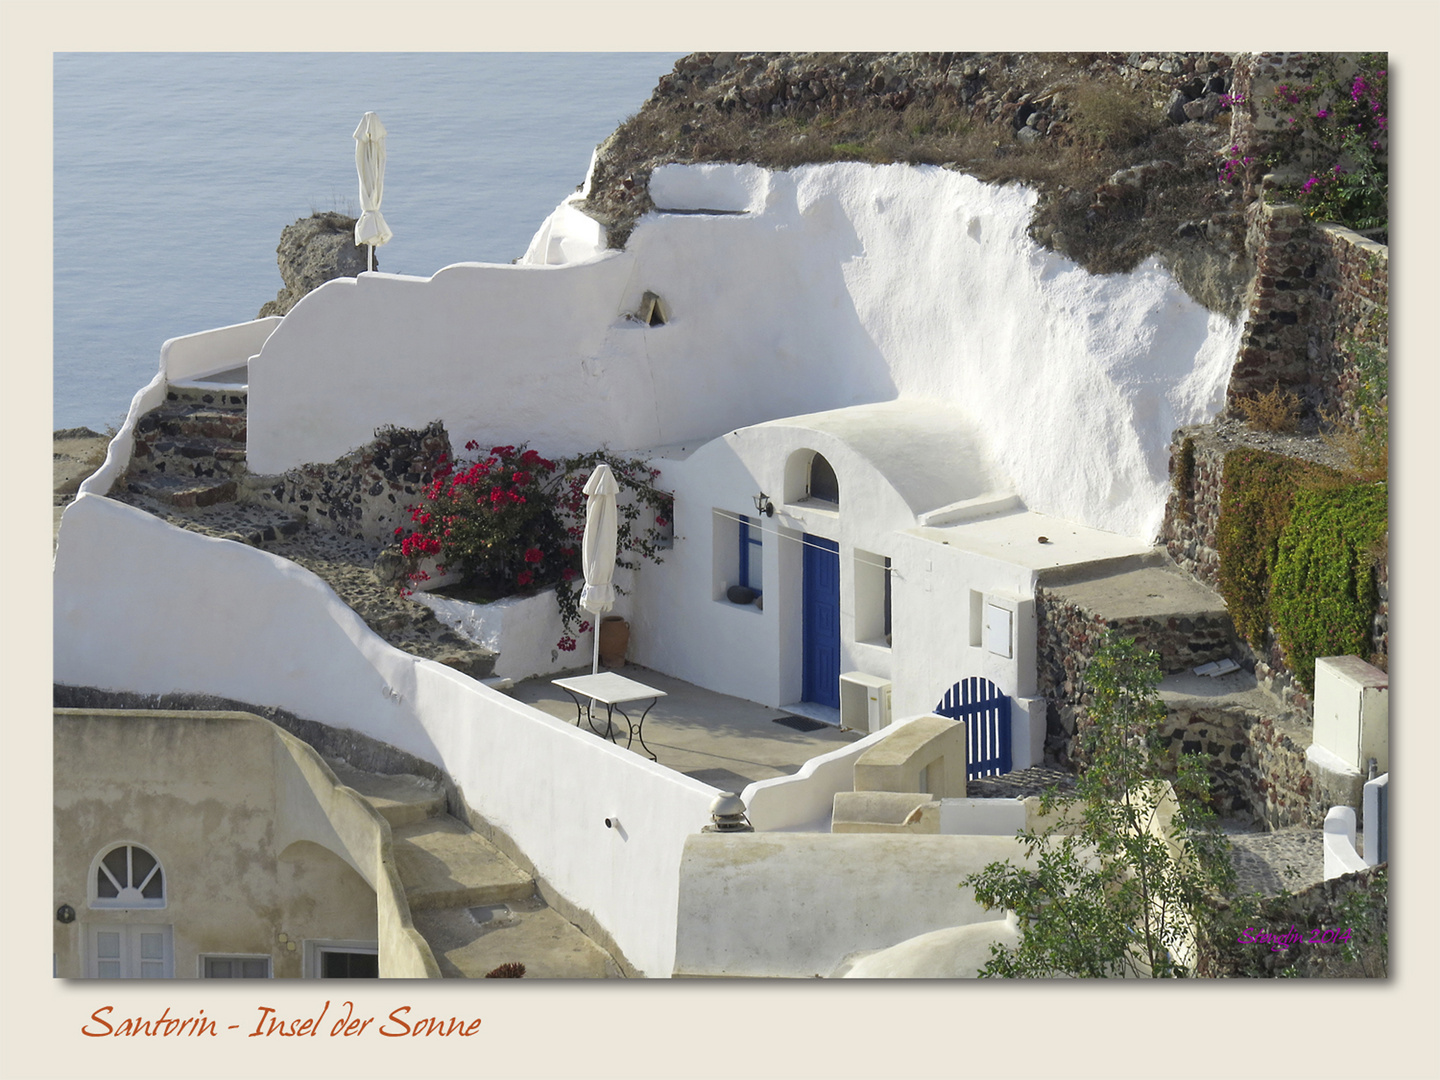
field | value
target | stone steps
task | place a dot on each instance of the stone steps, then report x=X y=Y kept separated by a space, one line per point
x=444 y=864
x=1161 y=607
x=470 y=942
x=401 y=799
x=182 y=491
x=475 y=907
x=190 y=452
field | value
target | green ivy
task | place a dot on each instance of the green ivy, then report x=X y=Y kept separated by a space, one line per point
x=1255 y=502
x=1323 y=593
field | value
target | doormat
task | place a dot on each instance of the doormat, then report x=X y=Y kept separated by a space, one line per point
x=801 y=723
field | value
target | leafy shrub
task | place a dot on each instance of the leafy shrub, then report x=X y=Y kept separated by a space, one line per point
x=513 y=521
x=1323 y=593
x=1255 y=498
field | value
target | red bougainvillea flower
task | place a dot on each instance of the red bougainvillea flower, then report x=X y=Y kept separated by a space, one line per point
x=472 y=445
x=661 y=521
x=525 y=577
x=585 y=626
x=566 y=644
x=497 y=494
x=529 y=457
x=533 y=555
x=521 y=478
x=568 y=573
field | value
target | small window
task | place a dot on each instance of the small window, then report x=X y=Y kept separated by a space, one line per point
x=128 y=876
x=751 y=555
x=342 y=960
x=349 y=964
x=823 y=483
x=235 y=967
x=872 y=598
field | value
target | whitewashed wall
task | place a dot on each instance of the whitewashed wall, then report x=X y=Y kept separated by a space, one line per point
x=794 y=905
x=853 y=284
x=145 y=607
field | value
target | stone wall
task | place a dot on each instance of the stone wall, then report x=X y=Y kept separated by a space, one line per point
x=1067 y=635
x=1316 y=285
x=364 y=494
x=1357 y=902
x=1258 y=770
x=1192 y=513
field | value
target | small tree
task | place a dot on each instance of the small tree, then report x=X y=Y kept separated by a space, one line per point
x=1119 y=879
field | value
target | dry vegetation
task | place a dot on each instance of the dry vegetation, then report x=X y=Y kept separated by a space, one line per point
x=1118 y=178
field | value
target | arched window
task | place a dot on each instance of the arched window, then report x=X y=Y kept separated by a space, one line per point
x=128 y=876
x=823 y=484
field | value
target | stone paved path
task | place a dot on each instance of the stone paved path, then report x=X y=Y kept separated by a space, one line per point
x=1269 y=862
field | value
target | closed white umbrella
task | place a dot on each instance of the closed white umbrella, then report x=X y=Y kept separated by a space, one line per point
x=371 y=229
x=597 y=552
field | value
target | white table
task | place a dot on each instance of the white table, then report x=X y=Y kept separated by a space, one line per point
x=612 y=691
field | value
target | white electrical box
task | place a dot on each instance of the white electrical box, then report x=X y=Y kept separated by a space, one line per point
x=864 y=702
x=998 y=630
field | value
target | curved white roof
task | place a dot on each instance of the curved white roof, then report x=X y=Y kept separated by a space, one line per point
x=930 y=452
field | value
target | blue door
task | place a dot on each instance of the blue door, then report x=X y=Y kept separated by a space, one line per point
x=820 y=624
x=986 y=713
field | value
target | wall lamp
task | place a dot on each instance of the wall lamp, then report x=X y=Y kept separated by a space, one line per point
x=763 y=505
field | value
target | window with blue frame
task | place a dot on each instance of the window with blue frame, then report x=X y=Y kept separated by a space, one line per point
x=751 y=554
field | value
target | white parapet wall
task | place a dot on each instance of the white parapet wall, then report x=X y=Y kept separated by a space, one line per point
x=521 y=630
x=117 y=454
x=144 y=607
x=795 y=905
x=210 y=352
x=835 y=285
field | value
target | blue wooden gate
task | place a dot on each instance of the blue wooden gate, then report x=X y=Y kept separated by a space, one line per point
x=820 y=623
x=986 y=713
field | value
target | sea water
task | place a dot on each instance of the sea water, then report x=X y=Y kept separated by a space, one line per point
x=175 y=172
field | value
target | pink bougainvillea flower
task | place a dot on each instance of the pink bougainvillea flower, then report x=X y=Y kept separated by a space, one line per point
x=566 y=644
x=585 y=626
x=661 y=521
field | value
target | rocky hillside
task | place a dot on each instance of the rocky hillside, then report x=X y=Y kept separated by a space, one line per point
x=1124 y=149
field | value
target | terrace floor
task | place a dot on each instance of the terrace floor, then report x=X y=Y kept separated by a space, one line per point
x=726 y=742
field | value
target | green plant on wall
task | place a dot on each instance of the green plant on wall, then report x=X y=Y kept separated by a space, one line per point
x=1323 y=594
x=1254 y=509
x=1298 y=546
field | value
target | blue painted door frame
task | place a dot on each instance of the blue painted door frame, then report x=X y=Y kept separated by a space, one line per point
x=820 y=622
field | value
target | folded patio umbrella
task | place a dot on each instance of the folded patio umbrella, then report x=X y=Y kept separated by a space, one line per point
x=597 y=552
x=371 y=229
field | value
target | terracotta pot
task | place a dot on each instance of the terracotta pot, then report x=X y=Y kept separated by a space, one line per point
x=614 y=640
